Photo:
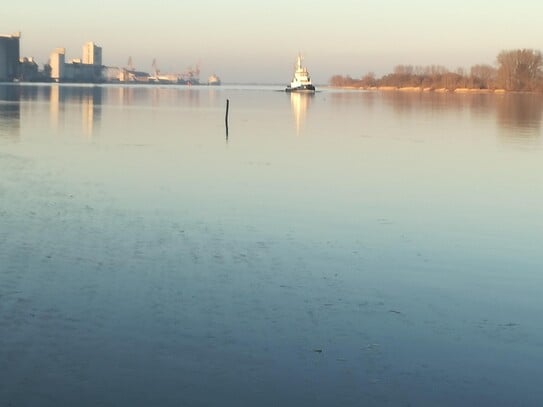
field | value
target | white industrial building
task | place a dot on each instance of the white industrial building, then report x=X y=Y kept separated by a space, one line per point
x=57 y=62
x=92 y=54
x=87 y=69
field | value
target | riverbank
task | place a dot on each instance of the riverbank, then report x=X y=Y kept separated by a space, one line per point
x=421 y=89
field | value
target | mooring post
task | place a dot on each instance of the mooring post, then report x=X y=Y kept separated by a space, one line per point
x=226 y=117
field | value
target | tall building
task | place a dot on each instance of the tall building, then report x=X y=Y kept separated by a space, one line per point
x=9 y=57
x=87 y=69
x=57 y=62
x=92 y=54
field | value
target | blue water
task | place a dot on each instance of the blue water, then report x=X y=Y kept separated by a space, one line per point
x=347 y=248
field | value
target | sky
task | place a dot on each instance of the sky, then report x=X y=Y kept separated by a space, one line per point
x=257 y=42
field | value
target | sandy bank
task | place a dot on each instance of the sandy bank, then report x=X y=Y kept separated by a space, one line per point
x=421 y=89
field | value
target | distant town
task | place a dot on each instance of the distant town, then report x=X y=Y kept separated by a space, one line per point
x=89 y=68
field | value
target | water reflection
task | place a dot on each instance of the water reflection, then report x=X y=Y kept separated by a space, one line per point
x=348 y=98
x=65 y=100
x=405 y=102
x=300 y=103
x=90 y=115
x=519 y=117
x=55 y=106
x=156 y=95
x=10 y=112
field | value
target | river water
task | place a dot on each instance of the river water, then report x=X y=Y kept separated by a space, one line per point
x=345 y=248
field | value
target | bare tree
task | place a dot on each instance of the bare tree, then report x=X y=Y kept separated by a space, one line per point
x=403 y=69
x=520 y=69
x=482 y=76
x=368 y=80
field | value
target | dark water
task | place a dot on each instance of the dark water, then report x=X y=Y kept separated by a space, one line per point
x=345 y=248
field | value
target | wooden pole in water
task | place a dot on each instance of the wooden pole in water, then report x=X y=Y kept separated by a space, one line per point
x=226 y=116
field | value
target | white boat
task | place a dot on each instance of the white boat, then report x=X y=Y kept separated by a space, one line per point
x=301 y=81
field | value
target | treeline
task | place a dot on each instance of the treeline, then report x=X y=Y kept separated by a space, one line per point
x=515 y=70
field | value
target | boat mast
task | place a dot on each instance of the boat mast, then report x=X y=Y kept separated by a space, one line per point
x=299 y=62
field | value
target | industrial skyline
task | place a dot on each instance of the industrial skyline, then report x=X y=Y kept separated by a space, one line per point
x=88 y=68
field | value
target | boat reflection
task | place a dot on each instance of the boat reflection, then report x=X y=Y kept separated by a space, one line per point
x=299 y=103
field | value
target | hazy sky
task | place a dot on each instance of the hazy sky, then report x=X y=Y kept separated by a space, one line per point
x=248 y=41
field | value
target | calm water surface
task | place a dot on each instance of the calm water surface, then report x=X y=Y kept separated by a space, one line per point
x=345 y=248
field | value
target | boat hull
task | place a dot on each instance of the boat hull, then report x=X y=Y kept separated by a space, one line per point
x=301 y=89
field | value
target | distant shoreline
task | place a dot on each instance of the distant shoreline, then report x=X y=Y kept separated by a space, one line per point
x=419 y=89
x=404 y=89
